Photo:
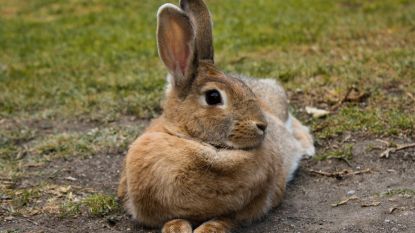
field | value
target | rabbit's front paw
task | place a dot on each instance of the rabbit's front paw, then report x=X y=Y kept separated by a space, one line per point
x=177 y=226
x=215 y=226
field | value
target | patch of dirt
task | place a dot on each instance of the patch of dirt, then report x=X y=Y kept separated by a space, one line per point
x=99 y=172
x=308 y=206
x=44 y=223
x=309 y=198
x=44 y=127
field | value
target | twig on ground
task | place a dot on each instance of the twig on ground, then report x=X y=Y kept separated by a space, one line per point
x=342 y=100
x=376 y=203
x=387 y=152
x=31 y=221
x=360 y=96
x=340 y=174
x=383 y=141
x=344 y=201
x=392 y=209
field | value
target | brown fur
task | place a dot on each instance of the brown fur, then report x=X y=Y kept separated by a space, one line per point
x=214 y=165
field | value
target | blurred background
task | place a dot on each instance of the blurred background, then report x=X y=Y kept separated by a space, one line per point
x=80 y=80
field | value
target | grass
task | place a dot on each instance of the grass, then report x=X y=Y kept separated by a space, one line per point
x=16 y=158
x=96 y=205
x=100 y=205
x=86 y=144
x=82 y=67
x=97 y=59
x=369 y=120
x=25 y=197
x=344 y=153
x=407 y=193
x=64 y=201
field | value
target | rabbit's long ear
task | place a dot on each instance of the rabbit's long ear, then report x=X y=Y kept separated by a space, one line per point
x=200 y=16
x=176 y=45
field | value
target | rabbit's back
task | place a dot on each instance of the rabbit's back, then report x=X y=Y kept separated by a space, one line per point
x=271 y=93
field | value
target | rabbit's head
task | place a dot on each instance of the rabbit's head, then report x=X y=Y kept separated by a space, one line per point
x=201 y=101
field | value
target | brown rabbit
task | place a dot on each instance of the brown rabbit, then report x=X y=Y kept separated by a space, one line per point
x=224 y=147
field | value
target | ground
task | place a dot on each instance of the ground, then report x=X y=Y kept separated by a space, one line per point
x=81 y=79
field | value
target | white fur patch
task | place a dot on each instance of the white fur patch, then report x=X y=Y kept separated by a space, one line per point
x=295 y=162
x=310 y=151
x=289 y=123
x=278 y=89
x=307 y=151
x=169 y=85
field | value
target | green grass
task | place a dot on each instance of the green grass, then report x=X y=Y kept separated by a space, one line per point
x=40 y=149
x=100 y=205
x=62 y=200
x=343 y=153
x=98 y=60
x=86 y=144
x=25 y=197
x=408 y=193
x=96 y=205
x=91 y=64
x=368 y=120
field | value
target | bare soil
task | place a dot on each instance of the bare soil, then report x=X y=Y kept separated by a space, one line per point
x=309 y=206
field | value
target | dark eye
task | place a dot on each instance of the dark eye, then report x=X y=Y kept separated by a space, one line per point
x=213 y=97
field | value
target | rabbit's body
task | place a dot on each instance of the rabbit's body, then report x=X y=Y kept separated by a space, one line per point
x=173 y=177
x=224 y=147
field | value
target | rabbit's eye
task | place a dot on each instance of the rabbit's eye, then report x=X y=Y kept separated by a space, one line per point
x=213 y=97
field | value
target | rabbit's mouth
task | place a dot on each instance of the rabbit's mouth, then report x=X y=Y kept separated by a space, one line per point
x=233 y=147
x=222 y=146
x=247 y=142
x=244 y=144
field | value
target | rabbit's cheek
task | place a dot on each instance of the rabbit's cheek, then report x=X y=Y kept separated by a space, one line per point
x=209 y=128
x=245 y=135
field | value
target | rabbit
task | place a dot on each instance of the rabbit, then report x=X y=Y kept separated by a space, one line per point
x=224 y=147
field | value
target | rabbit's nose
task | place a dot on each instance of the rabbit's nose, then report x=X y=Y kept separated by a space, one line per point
x=261 y=126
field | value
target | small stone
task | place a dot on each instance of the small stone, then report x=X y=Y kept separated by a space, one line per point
x=70 y=178
x=351 y=192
